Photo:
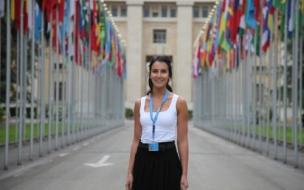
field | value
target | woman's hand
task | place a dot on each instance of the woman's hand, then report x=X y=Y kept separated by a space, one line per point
x=184 y=182
x=129 y=182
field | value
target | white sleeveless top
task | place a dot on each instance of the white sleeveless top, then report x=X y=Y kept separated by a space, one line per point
x=165 y=126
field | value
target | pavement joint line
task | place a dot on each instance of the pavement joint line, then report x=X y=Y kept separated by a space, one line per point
x=64 y=154
x=19 y=171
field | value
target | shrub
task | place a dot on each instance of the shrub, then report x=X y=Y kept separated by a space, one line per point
x=129 y=113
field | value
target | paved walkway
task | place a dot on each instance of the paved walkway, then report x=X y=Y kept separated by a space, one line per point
x=101 y=163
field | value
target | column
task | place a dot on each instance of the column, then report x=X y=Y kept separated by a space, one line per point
x=135 y=63
x=182 y=68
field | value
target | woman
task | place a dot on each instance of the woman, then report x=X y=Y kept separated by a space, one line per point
x=160 y=118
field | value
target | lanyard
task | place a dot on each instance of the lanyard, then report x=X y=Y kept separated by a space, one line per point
x=153 y=119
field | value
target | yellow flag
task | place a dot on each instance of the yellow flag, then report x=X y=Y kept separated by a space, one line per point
x=13 y=9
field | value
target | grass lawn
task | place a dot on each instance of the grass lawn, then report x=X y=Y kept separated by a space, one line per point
x=266 y=131
x=14 y=131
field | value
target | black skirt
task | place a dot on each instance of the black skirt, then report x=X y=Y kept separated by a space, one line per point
x=159 y=170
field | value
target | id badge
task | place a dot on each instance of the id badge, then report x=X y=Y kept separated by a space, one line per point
x=153 y=147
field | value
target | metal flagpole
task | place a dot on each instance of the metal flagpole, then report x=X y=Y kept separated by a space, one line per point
x=273 y=63
x=41 y=88
x=17 y=86
x=88 y=71
x=24 y=84
x=295 y=14
x=63 y=74
x=50 y=91
x=56 y=74
x=21 y=124
x=32 y=80
x=285 y=86
x=69 y=85
x=301 y=85
x=8 y=83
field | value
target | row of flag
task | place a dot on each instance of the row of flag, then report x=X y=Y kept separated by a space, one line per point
x=80 y=28
x=239 y=27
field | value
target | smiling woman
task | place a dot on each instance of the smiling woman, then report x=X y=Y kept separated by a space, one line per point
x=160 y=120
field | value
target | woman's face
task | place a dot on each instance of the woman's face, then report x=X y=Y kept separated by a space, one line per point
x=159 y=74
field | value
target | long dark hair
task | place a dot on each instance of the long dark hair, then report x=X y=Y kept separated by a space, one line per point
x=163 y=59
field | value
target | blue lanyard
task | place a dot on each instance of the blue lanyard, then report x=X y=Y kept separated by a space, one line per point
x=164 y=99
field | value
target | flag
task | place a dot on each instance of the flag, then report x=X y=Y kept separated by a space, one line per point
x=282 y=22
x=250 y=14
x=290 y=9
x=196 y=60
x=17 y=14
x=257 y=40
x=266 y=29
x=2 y=5
x=76 y=37
x=13 y=10
x=38 y=22
x=234 y=21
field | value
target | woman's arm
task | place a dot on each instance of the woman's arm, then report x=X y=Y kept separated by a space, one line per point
x=135 y=141
x=182 y=139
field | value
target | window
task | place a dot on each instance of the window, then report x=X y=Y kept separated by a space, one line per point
x=155 y=12
x=159 y=36
x=60 y=66
x=173 y=12
x=60 y=90
x=164 y=11
x=123 y=11
x=114 y=10
x=146 y=11
x=205 y=11
x=195 y=12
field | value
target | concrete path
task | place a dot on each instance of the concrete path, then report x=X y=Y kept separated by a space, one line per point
x=101 y=163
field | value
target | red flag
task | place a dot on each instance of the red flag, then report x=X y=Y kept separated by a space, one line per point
x=17 y=11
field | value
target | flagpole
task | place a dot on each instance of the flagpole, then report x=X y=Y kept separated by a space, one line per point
x=295 y=14
x=57 y=83
x=32 y=80
x=51 y=89
x=69 y=81
x=285 y=85
x=274 y=82
x=301 y=85
x=8 y=83
x=64 y=82
x=21 y=88
x=41 y=88
x=88 y=68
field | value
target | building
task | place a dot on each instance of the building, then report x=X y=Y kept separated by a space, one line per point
x=164 y=27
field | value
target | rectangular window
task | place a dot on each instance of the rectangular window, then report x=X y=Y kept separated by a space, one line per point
x=195 y=12
x=60 y=90
x=114 y=10
x=123 y=11
x=146 y=11
x=164 y=11
x=60 y=66
x=173 y=12
x=159 y=36
x=205 y=11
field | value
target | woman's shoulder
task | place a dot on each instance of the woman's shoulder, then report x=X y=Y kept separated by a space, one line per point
x=181 y=101
x=138 y=101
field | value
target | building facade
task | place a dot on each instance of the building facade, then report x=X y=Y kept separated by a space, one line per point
x=164 y=27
